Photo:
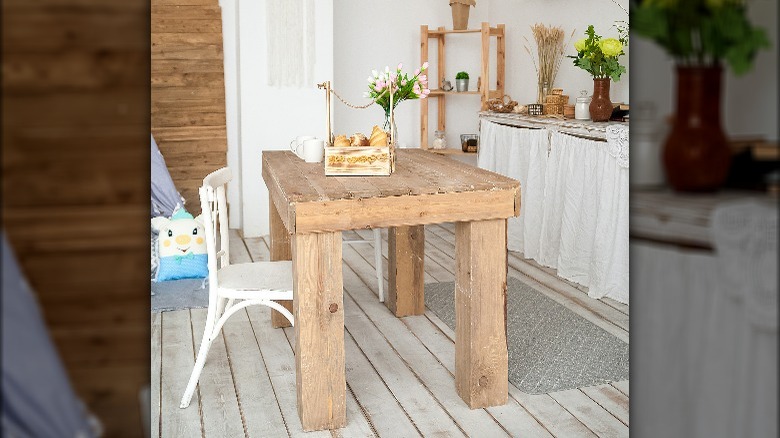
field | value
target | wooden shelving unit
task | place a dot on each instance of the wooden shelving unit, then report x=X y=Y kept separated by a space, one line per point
x=484 y=91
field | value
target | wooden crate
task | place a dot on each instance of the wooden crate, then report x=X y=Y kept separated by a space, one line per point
x=359 y=161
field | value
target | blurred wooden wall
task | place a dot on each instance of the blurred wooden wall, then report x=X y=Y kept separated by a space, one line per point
x=75 y=194
x=188 y=91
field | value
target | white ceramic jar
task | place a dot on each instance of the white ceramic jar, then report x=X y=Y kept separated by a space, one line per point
x=582 y=107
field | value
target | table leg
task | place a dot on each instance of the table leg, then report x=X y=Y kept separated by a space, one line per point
x=319 y=330
x=280 y=250
x=481 y=362
x=406 y=251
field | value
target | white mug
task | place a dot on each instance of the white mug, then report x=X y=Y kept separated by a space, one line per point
x=313 y=150
x=296 y=146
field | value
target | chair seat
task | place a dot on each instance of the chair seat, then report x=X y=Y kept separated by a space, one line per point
x=248 y=280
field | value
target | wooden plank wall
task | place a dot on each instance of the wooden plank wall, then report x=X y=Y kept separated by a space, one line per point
x=188 y=91
x=75 y=163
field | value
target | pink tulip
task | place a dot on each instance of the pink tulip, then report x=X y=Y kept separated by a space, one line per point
x=425 y=65
x=423 y=78
x=417 y=72
x=379 y=85
x=426 y=91
x=400 y=66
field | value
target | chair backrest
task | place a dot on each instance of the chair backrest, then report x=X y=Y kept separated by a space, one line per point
x=213 y=204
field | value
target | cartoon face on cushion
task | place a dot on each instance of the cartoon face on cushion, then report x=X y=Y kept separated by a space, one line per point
x=181 y=234
x=182 y=246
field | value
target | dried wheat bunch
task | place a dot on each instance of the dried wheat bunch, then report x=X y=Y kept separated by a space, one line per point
x=549 y=53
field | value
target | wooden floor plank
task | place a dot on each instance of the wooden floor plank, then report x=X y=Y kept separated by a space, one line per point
x=610 y=399
x=154 y=384
x=280 y=363
x=420 y=405
x=621 y=386
x=546 y=407
x=399 y=371
x=597 y=419
x=357 y=424
x=258 y=249
x=557 y=420
x=238 y=250
x=220 y=413
x=367 y=252
x=178 y=358
x=515 y=419
x=546 y=411
x=357 y=420
x=258 y=405
x=373 y=395
x=431 y=373
x=433 y=269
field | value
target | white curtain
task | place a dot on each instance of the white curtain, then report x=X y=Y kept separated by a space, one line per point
x=715 y=315
x=574 y=202
x=290 y=43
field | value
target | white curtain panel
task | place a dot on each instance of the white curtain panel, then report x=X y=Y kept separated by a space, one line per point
x=716 y=313
x=574 y=202
x=290 y=43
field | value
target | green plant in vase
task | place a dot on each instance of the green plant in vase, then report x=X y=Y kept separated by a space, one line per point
x=599 y=57
x=701 y=36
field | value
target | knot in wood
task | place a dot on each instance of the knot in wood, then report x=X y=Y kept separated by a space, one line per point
x=333 y=307
x=483 y=381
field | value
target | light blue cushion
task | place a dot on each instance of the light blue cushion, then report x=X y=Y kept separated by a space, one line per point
x=179 y=267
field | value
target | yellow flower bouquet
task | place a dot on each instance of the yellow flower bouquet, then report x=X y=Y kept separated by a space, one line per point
x=599 y=56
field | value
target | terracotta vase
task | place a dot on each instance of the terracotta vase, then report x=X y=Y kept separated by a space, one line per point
x=460 y=15
x=600 y=106
x=696 y=154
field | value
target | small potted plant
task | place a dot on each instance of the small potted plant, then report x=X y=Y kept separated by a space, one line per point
x=462 y=81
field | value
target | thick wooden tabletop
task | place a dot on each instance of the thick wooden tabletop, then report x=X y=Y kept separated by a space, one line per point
x=425 y=188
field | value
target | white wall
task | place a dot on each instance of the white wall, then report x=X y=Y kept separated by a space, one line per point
x=750 y=101
x=267 y=118
x=372 y=34
x=232 y=98
x=571 y=15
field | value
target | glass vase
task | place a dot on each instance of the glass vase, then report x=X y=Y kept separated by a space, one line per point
x=387 y=127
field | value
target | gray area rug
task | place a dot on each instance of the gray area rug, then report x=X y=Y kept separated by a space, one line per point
x=179 y=294
x=550 y=347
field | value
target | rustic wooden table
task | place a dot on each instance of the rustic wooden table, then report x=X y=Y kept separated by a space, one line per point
x=308 y=211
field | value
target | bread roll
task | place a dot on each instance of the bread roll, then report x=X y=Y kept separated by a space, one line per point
x=378 y=138
x=358 y=139
x=341 y=141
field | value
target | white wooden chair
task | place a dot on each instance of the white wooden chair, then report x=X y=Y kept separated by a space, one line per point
x=377 y=260
x=232 y=287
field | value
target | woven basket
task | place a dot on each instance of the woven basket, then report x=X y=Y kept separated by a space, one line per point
x=557 y=91
x=568 y=111
x=503 y=105
x=553 y=108
x=555 y=99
